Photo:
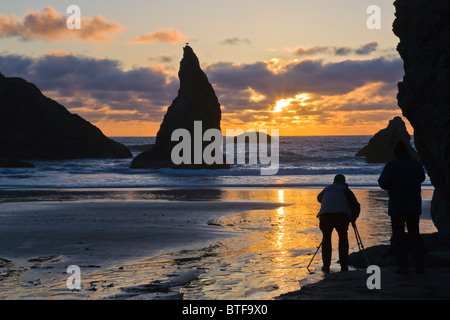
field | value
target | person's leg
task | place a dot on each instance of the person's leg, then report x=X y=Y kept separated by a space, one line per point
x=342 y=230
x=416 y=242
x=326 y=227
x=399 y=242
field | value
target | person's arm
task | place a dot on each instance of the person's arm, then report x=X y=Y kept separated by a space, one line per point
x=354 y=204
x=320 y=196
x=384 y=181
x=422 y=174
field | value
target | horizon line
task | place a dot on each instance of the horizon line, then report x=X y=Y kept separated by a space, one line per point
x=325 y=135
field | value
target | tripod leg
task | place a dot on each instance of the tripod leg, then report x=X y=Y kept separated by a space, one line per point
x=318 y=248
x=360 y=245
x=357 y=238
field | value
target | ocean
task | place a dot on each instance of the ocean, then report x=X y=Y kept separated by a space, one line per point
x=304 y=161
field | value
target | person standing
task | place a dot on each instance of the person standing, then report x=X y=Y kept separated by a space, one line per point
x=339 y=207
x=402 y=177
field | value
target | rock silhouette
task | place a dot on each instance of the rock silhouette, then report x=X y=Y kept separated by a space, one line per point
x=248 y=136
x=33 y=126
x=196 y=101
x=381 y=146
x=7 y=162
x=423 y=27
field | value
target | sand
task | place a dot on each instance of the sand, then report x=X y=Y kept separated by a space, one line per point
x=251 y=244
x=358 y=283
x=39 y=240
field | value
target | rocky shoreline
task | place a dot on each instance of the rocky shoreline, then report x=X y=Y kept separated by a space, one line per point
x=352 y=285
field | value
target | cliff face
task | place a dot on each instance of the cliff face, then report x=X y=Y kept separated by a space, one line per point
x=196 y=101
x=33 y=126
x=423 y=27
x=381 y=146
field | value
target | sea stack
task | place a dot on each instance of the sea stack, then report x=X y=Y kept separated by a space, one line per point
x=381 y=146
x=33 y=126
x=423 y=27
x=196 y=101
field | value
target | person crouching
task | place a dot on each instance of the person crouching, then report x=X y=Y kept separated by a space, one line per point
x=339 y=207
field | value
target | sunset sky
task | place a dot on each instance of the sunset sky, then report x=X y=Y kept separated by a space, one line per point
x=305 y=67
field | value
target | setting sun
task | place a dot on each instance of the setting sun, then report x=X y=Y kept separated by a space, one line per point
x=281 y=104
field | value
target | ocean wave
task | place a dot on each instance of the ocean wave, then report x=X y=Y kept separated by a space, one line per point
x=304 y=161
x=140 y=147
x=256 y=171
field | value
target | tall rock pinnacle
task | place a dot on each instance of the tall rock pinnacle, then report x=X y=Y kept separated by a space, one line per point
x=196 y=101
x=423 y=27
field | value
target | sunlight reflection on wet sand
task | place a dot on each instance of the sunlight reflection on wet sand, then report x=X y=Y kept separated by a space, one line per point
x=268 y=256
x=271 y=258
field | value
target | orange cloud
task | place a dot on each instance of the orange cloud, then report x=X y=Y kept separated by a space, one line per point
x=50 y=25
x=172 y=36
x=363 y=110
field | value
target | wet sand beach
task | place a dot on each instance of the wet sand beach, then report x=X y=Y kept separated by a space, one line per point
x=160 y=244
x=41 y=239
x=361 y=284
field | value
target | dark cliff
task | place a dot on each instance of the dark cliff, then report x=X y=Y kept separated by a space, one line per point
x=423 y=27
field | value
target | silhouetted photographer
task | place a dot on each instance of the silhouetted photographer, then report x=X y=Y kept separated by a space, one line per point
x=402 y=177
x=339 y=207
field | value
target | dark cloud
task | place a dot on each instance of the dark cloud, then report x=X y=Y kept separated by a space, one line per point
x=235 y=41
x=306 y=76
x=367 y=48
x=95 y=82
x=306 y=51
x=339 y=87
x=342 y=51
x=162 y=58
x=364 y=49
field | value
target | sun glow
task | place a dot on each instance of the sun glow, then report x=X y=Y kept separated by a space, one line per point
x=281 y=104
x=276 y=65
x=255 y=96
x=299 y=99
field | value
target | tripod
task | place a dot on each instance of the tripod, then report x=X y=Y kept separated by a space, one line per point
x=318 y=248
x=358 y=241
x=360 y=244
